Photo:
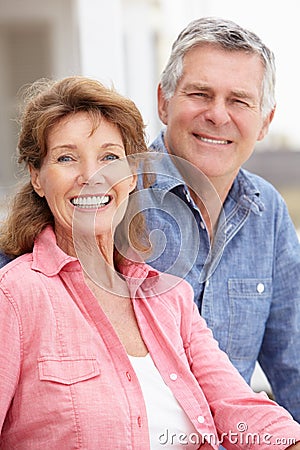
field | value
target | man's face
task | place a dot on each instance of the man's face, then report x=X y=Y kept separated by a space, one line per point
x=214 y=117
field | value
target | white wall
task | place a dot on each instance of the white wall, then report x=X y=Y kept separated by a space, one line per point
x=117 y=41
x=37 y=39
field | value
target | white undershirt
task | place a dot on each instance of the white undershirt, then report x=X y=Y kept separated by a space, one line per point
x=169 y=426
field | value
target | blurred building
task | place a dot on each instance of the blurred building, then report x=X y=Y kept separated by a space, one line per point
x=37 y=39
x=116 y=41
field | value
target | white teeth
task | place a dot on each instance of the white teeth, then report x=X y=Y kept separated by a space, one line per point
x=90 y=202
x=213 y=141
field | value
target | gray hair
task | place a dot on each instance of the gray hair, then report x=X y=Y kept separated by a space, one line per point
x=229 y=36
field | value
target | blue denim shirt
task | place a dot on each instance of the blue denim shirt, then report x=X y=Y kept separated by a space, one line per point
x=247 y=286
x=4 y=259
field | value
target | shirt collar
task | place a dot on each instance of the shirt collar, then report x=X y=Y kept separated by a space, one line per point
x=50 y=259
x=245 y=191
x=168 y=177
x=137 y=274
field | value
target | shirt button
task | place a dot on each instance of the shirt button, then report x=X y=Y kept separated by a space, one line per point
x=128 y=376
x=200 y=419
x=187 y=195
x=260 y=288
x=202 y=225
x=139 y=421
x=173 y=376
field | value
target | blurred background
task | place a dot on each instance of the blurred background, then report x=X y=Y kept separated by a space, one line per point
x=126 y=43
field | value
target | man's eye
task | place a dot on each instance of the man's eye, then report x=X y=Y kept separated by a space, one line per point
x=241 y=102
x=198 y=94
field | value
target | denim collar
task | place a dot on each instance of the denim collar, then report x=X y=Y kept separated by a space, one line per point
x=243 y=190
x=167 y=175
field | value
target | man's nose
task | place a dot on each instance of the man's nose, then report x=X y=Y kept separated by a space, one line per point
x=217 y=112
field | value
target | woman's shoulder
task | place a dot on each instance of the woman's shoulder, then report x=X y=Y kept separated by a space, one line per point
x=16 y=270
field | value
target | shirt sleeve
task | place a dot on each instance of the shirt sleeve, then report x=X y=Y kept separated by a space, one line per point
x=10 y=353
x=238 y=412
x=280 y=351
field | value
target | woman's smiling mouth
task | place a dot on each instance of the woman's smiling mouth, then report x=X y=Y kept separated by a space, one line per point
x=91 y=202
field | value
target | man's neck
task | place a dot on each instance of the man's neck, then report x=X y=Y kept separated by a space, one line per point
x=210 y=203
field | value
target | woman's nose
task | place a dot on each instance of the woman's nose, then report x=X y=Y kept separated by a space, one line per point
x=91 y=174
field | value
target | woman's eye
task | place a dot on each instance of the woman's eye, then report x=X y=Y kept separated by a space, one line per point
x=110 y=157
x=64 y=158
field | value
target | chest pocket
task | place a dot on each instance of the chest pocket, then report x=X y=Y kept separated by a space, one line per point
x=249 y=306
x=67 y=370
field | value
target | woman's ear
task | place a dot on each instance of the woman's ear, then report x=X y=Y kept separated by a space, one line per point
x=133 y=182
x=35 y=181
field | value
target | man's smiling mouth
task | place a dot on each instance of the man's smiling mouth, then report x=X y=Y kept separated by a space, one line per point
x=92 y=202
x=213 y=141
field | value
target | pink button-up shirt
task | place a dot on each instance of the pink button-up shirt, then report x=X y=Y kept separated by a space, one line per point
x=66 y=381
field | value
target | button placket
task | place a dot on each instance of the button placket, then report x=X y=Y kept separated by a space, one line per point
x=128 y=376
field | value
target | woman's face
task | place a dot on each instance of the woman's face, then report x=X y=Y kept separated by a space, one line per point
x=85 y=178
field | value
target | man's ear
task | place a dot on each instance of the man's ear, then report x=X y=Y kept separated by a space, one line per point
x=266 y=123
x=162 y=104
x=35 y=181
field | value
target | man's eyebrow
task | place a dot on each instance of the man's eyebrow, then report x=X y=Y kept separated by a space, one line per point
x=196 y=87
x=243 y=94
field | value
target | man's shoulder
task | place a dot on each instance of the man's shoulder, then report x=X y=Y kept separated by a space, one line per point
x=258 y=184
x=4 y=259
x=157 y=145
x=262 y=196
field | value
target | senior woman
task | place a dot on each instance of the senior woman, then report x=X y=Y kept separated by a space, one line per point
x=98 y=350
